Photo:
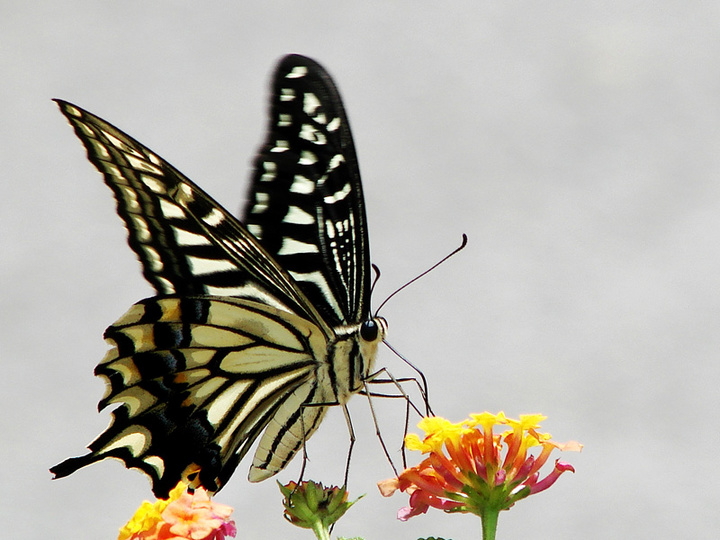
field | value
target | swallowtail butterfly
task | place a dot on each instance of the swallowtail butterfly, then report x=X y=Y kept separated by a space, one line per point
x=257 y=327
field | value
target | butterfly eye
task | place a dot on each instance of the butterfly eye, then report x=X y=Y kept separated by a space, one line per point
x=369 y=330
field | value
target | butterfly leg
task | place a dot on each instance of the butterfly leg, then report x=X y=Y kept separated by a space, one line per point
x=408 y=404
x=351 y=432
x=377 y=427
x=423 y=387
x=373 y=378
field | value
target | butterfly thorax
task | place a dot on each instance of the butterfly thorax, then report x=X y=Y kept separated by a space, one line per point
x=352 y=355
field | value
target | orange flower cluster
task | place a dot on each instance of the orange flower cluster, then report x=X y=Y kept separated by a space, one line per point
x=471 y=469
x=183 y=516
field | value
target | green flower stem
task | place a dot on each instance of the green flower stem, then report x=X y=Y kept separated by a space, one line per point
x=489 y=519
x=320 y=530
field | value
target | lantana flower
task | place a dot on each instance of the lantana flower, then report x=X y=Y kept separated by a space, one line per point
x=311 y=505
x=470 y=469
x=183 y=516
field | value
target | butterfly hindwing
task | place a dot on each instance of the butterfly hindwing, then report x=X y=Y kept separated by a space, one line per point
x=196 y=387
x=306 y=203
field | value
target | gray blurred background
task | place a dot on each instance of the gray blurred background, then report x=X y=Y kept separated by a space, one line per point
x=576 y=143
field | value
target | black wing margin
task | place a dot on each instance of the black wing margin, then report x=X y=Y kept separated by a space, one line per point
x=306 y=204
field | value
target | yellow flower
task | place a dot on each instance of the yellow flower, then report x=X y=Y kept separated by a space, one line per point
x=437 y=431
x=184 y=515
x=148 y=516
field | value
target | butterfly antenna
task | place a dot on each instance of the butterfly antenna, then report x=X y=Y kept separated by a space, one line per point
x=413 y=280
x=376 y=270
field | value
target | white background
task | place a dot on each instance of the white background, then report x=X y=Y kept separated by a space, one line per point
x=576 y=143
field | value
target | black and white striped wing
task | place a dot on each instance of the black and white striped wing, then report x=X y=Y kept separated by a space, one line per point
x=187 y=243
x=306 y=203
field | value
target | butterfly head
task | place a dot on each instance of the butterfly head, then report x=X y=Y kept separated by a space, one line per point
x=371 y=333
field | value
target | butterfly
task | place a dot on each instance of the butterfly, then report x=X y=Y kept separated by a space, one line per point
x=257 y=327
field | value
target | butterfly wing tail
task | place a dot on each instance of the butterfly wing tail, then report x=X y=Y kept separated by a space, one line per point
x=71 y=465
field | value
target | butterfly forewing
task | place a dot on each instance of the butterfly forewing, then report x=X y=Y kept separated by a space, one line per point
x=306 y=204
x=187 y=243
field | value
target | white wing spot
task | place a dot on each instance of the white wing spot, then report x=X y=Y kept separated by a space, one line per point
x=187 y=238
x=100 y=149
x=135 y=400
x=142 y=165
x=153 y=183
x=309 y=133
x=297 y=72
x=290 y=246
x=310 y=103
x=255 y=230
x=261 y=202
x=153 y=257
x=184 y=193
x=157 y=463
x=335 y=162
x=136 y=442
x=287 y=94
x=270 y=173
x=334 y=124
x=86 y=129
x=142 y=231
x=168 y=288
x=214 y=218
x=340 y=228
x=202 y=266
x=131 y=201
x=302 y=185
x=280 y=146
x=170 y=210
x=112 y=170
x=330 y=229
x=307 y=158
x=284 y=120
x=117 y=143
x=298 y=216
x=338 y=195
x=156 y=160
